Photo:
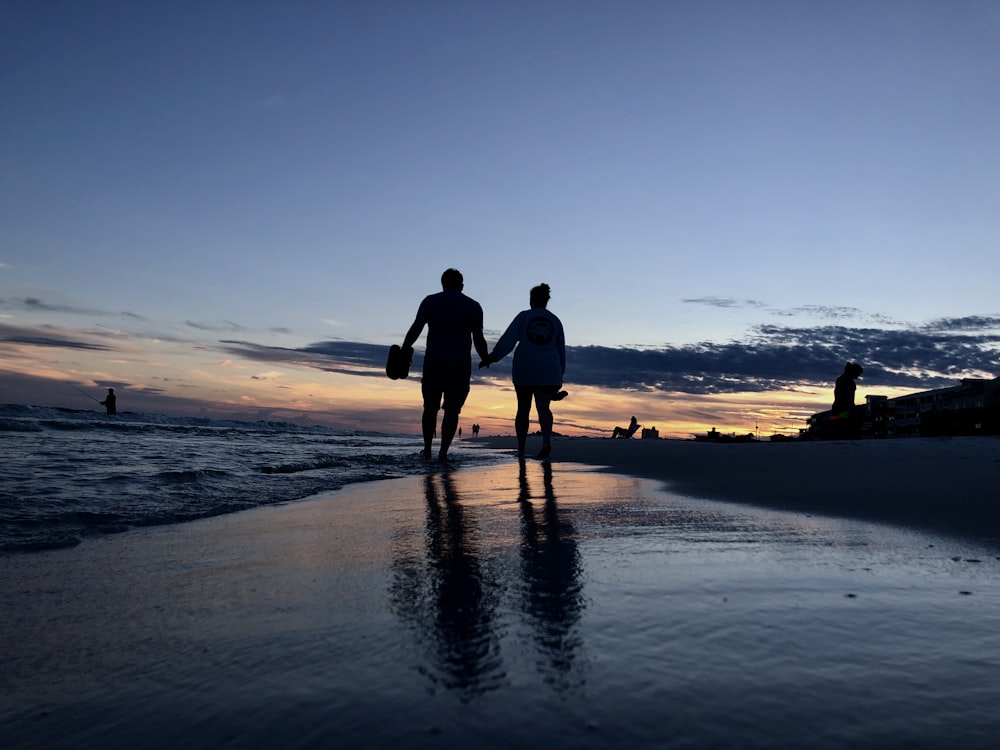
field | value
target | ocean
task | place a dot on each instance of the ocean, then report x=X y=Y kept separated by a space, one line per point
x=69 y=474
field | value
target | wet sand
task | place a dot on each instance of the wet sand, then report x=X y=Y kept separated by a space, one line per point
x=947 y=484
x=533 y=606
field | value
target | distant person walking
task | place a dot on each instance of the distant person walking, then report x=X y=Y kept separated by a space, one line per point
x=454 y=324
x=110 y=403
x=539 y=365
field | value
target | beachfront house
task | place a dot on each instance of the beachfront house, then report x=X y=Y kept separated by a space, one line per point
x=970 y=408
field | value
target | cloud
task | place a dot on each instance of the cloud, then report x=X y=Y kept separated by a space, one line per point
x=47 y=336
x=771 y=358
x=833 y=312
x=982 y=323
x=220 y=327
x=727 y=302
x=349 y=358
x=36 y=305
x=825 y=312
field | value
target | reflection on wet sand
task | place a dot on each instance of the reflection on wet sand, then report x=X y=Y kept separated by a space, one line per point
x=454 y=594
x=550 y=567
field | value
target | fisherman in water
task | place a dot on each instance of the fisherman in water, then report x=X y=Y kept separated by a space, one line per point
x=109 y=403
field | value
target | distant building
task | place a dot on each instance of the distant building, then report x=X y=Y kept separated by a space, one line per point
x=650 y=433
x=970 y=408
x=714 y=436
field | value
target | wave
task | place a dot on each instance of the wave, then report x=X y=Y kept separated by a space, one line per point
x=17 y=425
x=331 y=462
x=71 y=474
x=187 y=476
x=23 y=417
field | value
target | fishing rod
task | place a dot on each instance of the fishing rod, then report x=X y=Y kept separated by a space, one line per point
x=86 y=394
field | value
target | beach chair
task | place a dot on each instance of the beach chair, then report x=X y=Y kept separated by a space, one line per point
x=626 y=432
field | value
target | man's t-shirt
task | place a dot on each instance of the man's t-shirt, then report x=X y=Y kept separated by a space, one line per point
x=450 y=317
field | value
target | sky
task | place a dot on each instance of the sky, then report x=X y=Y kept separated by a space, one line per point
x=234 y=208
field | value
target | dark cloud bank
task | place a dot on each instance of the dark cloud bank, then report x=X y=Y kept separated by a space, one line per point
x=772 y=358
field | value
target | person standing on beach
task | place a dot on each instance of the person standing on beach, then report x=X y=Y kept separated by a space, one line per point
x=454 y=323
x=539 y=365
x=844 y=423
x=843 y=391
x=109 y=403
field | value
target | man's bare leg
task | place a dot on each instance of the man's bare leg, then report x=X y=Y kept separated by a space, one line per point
x=428 y=424
x=449 y=425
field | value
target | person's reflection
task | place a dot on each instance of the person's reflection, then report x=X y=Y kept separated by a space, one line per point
x=454 y=600
x=550 y=566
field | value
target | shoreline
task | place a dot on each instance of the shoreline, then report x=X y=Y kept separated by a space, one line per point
x=942 y=484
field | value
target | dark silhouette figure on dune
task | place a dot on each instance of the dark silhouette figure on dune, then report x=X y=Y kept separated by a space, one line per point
x=842 y=416
x=843 y=391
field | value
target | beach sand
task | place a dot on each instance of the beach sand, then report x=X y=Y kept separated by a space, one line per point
x=945 y=484
x=535 y=606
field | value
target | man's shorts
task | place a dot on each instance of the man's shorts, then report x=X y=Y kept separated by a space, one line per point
x=447 y=381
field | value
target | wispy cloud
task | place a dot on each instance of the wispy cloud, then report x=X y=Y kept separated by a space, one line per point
x=822 y=312
x=49 y=337
x=834 y=312
x=225 y=326
x=727 y=302
x=36 y=305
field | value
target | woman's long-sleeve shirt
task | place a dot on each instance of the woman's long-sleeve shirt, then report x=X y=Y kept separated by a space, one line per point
x=540 y=357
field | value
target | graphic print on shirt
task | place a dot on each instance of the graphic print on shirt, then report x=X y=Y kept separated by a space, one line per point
x=540 y=330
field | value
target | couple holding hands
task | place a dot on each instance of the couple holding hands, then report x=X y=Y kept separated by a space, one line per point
x=454 y=321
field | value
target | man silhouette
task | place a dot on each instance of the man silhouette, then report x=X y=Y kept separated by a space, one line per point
x=454 y=323
x=109 y=403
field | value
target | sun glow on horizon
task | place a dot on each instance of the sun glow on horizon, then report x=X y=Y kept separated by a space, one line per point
x=174 y=378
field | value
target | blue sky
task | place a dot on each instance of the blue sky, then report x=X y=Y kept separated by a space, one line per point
x=726 y=197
